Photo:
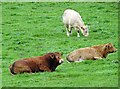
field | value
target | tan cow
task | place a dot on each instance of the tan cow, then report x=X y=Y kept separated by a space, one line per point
x=92 y=53
x=47 y=62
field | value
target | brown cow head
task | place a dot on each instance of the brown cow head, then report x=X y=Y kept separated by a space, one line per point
x=109 y=48
x=56 y=59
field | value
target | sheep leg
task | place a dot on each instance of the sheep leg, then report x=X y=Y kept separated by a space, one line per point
x=78 y=35
x=68 y=29
x=77 y=29
x=70 y=32
x=67 y=32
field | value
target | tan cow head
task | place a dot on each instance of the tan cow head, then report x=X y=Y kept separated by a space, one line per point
x=109 y=48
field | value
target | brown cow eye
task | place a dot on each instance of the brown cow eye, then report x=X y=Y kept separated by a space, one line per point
x=57 y=57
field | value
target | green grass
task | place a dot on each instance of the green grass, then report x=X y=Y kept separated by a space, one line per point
x=0 y=45
x=33 y=29
x=0 y=73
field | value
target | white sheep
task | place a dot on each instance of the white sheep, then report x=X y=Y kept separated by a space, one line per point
x=72 y=19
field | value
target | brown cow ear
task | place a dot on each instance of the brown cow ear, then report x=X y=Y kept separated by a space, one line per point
x=52 y=56
x=57 y=52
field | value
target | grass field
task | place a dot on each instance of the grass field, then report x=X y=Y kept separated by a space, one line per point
x=33 y=29
x=0 y=45
x=0 y=73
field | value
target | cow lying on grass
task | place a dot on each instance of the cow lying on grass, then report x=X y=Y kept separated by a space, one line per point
x=94 y=52
x=72 y=19
x=48 y=62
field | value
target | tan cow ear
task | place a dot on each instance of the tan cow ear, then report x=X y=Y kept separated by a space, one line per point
x=110 y=43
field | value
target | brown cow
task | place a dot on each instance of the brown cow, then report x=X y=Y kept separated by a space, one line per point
x=47 y=62
x=94 y=52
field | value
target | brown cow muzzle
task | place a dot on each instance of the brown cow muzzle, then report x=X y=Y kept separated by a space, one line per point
x=61 y=61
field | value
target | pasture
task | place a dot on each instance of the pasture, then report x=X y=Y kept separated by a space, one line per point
x=33 y=29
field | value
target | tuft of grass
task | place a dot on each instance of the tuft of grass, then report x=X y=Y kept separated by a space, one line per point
x=33 y=29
